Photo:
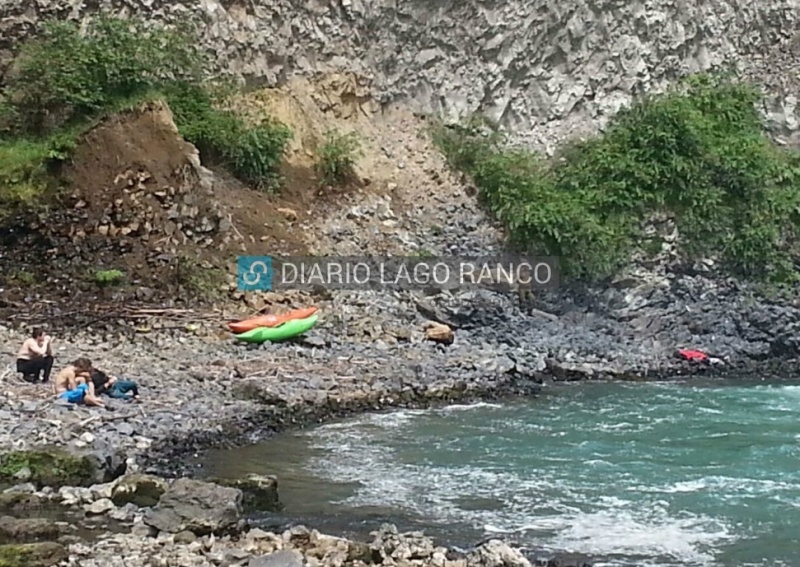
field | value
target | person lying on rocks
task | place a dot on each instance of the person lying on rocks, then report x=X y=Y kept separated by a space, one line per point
x=113 y=387
x=74 y=383
x=35 y=357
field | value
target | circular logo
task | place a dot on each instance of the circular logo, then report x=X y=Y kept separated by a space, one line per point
x=253 y=275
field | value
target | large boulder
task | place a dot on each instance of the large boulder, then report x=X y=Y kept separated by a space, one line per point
x=259 y=493
x=196 y=506
x=48 y=466
x=27 y=530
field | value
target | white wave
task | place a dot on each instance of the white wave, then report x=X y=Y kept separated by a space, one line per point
x=723 y=487
x=702 y=409
x=389 y=419
x=687 y=540
x=466 y=407
x=610 y=525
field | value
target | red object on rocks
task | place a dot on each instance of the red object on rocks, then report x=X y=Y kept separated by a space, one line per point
x=693 y=355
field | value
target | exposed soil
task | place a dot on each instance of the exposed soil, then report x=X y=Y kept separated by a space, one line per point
x=137 y=199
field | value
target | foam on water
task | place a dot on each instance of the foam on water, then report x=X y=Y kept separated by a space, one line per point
x=660 y=474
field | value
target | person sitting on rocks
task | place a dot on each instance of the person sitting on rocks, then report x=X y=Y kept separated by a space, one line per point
x=75 y=385
x=113 y=387
x=35 y=357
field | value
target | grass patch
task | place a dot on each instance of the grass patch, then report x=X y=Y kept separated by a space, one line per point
x=108 y=278
x=23 y=174
x=697 y=153
x=337 y=157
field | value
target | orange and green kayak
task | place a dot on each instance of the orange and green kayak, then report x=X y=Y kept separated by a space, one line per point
x=271 y=320
x=282 y=332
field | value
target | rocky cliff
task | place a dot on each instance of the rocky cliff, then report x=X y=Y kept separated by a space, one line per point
x=547 y=69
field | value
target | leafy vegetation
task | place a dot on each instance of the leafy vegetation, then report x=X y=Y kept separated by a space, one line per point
x=251 y=152
x=107 y=278
x=337 y=156
x=66 y=78
x=697 y=153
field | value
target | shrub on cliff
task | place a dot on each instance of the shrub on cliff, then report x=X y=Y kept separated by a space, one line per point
x=698 y=152
x=66 y=77
x=251 y=152
x=337 y=156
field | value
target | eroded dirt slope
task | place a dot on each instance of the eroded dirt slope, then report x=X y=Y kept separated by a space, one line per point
x=137 y=199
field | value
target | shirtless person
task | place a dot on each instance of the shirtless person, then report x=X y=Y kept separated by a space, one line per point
x=74 y=383
x=35 y=357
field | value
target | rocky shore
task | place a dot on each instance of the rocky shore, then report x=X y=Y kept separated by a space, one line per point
x=370 y=352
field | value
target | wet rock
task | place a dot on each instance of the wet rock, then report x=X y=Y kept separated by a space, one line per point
x=196 y=506
x=99 y=507
x=259 y=493
x=495 y=553
x=26 y=530
x=109 y=462
x=74 y=495
x=21 y=502
x=139 y=489
x=49 y=467
x=45 y=554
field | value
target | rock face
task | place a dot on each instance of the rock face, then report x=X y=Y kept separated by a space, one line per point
x=196 y=506
x=542 y=67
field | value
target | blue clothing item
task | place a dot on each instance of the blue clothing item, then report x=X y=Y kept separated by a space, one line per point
x=75 y=396
x=122 y=388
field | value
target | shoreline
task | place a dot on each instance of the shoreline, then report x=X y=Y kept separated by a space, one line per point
x=201 y=392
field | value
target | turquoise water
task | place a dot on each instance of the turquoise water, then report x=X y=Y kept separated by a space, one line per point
x=661 y=474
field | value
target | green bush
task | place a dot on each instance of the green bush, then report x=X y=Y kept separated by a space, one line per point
x=337 y=156
x=64 y=74
x=698 y=153
x=252 y=153
x=65 y=78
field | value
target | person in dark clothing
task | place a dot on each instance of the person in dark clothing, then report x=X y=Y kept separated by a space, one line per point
x=35 y=357
x=113 y=387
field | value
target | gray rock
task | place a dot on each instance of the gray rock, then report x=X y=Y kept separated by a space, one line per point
x=196 y=506
x=259 y=493
x=109 y=461
x=99 y=507
x=496 y=553
x=283 y=558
